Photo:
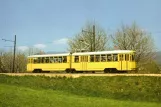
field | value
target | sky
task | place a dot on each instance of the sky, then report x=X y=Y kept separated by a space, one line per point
x=47 y=24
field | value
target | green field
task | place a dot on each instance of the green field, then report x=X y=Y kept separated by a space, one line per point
x=14 y=96
x=80 y=92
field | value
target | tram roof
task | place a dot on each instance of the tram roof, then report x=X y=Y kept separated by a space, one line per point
x=104 y=52
x=48 y=55
x=86 y=53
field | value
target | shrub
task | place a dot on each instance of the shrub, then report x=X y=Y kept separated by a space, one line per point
x=123 y=88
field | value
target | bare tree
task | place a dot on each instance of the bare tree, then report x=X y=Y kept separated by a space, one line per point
x=85 y=39
x=33 y=51
x=6 y=59
x=21 y=62
x=134 y=38
x=1 y=61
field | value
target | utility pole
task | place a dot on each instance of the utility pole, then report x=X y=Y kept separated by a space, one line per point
x=14 y=53
x=94 y=47
x=94 y=36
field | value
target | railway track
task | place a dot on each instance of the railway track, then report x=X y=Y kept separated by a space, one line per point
x=76 y=75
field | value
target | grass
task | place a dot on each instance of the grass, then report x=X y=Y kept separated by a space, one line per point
x=18 y=96
x=135 y=89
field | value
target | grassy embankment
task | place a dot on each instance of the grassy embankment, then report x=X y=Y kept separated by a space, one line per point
x=83 y=91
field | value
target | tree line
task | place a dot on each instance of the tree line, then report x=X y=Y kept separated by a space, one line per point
x=127 y=37
x=6 y=60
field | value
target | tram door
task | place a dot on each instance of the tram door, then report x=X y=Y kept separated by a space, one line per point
x=124 y=62
x=120 y=61
x=127 y=61
x=83 y=63
x=30 y=63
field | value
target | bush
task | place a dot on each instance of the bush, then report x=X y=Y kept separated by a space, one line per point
x=151 y=67
x=123 y=88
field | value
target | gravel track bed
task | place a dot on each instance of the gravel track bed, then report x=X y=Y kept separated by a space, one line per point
x=76 y=75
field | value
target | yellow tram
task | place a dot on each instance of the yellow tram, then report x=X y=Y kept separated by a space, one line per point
x=107 y=61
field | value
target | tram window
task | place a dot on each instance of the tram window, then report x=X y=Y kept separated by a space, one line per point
x=76 y=59
x=103 y=58
x=60 y=59
x=35 y=60
x=55 y=59
x=97 y=58
x=133 y=57
x=91 y=58
x=51 y=60
x=115 y=57
x=121 y=57
x=109 y=57
x=126 y=57
x=64 y=59
x=42 y=59
x=47 y=60
x=39 y=60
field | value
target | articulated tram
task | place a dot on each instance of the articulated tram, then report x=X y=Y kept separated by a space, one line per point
x=106 y=61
